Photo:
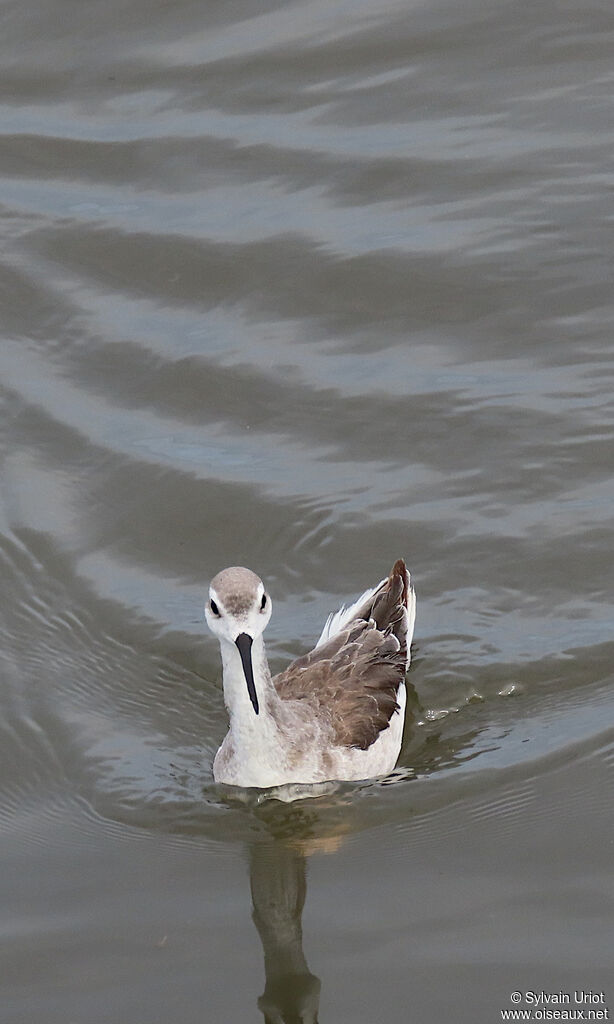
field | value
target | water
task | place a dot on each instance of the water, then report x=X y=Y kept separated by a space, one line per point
x=306 y=287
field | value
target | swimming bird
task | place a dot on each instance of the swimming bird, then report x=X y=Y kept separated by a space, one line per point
x=333 y=714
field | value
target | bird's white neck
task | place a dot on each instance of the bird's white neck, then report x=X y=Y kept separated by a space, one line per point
x=243 y=718
x=252 y=753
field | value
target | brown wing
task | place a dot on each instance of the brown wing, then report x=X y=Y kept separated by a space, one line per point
x=353 y=679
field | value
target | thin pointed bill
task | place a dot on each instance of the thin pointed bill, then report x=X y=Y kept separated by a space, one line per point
x=244 y=643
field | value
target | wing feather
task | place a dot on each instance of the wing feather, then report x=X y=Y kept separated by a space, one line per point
x=353 y=674
x=337 y=620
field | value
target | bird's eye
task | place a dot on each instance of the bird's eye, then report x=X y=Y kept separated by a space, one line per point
x=263 y=603
x=214 y=608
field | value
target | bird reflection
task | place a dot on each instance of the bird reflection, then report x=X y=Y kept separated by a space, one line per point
x=278 y=884
x=278 y=888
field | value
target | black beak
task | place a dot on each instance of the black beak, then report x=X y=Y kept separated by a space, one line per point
x=244 y=643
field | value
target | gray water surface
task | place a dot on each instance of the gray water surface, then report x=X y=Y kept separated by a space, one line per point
x=308 y=287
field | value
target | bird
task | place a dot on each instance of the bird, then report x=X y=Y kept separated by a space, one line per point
x=336 y=713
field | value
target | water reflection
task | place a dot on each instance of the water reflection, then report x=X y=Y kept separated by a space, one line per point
x=279 y=886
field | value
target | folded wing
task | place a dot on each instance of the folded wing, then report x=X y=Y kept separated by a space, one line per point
x=353 y=675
